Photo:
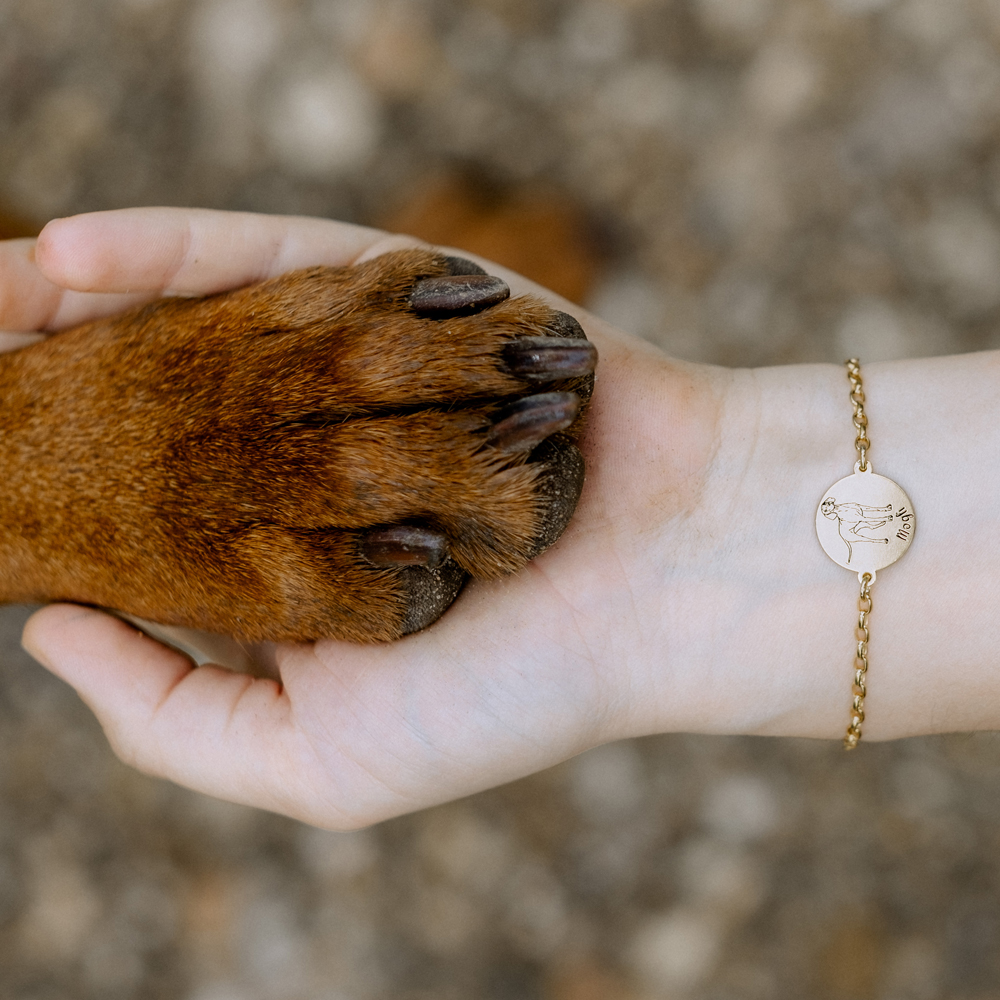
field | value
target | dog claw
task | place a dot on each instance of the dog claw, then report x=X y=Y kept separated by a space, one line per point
x=458 y=293
x=403 y=545
x=529 y=421
x=542 y=359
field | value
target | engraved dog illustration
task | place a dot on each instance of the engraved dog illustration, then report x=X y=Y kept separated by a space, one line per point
x=854 y=518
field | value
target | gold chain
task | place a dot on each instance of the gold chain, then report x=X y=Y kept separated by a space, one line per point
x=874 y=518
x=861 y=442
x=853 y=737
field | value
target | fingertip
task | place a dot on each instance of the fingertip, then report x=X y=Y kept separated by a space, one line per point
x=83 y=252
x=54 y=249
x=102 y=657
x=42 y=634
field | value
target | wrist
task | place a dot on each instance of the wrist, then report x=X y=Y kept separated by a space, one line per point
x=753 y=631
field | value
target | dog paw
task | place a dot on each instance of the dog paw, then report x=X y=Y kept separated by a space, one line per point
x=329 y=453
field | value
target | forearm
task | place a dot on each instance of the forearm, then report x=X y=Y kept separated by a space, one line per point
x=754 y=627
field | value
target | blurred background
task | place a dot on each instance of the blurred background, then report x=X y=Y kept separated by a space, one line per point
x=741 y=181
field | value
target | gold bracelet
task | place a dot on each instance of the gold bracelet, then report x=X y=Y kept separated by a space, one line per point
x=864 y=523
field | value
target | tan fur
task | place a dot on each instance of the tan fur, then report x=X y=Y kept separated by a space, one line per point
x=211 y=462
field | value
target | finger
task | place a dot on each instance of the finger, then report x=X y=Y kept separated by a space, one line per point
x=190 y=251
x=27 y=299
x=30 y=301
x=14 y=341
x=217 y=732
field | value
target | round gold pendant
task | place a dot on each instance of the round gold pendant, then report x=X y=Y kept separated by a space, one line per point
x=865 y=522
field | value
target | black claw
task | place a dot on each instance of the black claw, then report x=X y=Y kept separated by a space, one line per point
x=403 y=545
x=460 y=265
x=458 y=293
x=529 y=421
x=542 y=359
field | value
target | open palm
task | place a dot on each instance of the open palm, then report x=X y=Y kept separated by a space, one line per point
x=518 y=675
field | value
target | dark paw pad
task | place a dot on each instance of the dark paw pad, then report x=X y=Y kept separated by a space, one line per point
x=430 y=592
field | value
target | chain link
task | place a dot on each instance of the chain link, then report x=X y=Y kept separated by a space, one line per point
x=861 y=442
x=853 y=737
x=858 y=689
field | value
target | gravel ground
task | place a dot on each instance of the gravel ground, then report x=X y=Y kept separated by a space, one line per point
x=741 y=181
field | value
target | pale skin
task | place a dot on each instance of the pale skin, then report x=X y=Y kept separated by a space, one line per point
x=688 y=594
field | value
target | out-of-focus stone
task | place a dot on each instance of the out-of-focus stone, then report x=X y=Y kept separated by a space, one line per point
x=271 y=946
x=852 y=959
x=608 y=783
x=971 y=76
x=596 y=31
x=465 y=849
x=234 y=40
x=782 y=83
x=872 y=329
x=736 y=20
x=914 y=970
x=923 y=787
x=909 y=124
x=111 y=966
x=721 y=878
x=399 y=55
x=64 y=904
x=675 y=952
x=337 y=857
x=69 y=122
x=588 y=980
x=534 y=914
x=741 y=808
x=324 y=123
x=209 y=909
x=221 y=991
x=929 y=23
x=859 y=8
x=446 y=920
x=231 y=45
x=477 y=43
x=644 y=95
x=737 y=305
x=741 y=178
x=960 y=245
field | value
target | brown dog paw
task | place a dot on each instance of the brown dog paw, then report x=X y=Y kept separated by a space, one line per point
x=329 y=453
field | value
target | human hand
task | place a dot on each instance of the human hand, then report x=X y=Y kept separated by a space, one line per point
x=682 y=596
x=516 y=677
